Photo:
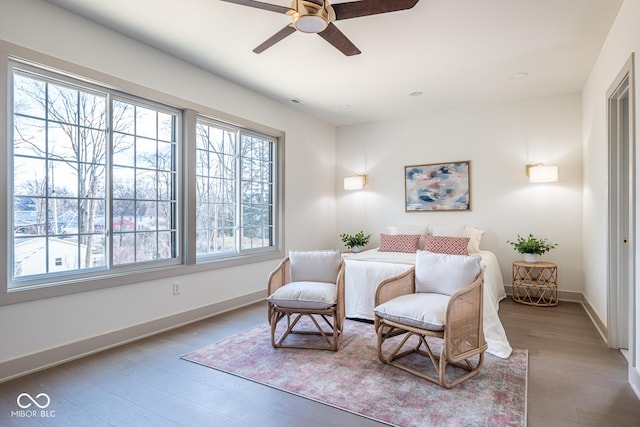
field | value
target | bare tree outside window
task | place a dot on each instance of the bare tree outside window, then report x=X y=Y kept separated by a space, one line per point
x=96 y=190
x=144 y=199
x=63 y=148
x=59 y=148
x=234 y=190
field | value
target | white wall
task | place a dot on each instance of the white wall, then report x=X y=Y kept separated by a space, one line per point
x=622 y=41
x=498 y=140
x=309 y=193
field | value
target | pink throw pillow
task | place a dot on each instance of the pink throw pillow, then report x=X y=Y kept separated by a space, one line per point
x=446 y=245
x=399 y=242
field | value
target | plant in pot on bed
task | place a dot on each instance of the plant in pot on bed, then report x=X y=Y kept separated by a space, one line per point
x=531 y=246
x=355 y=242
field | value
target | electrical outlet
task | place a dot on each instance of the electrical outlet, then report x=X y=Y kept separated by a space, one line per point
x=176 y=288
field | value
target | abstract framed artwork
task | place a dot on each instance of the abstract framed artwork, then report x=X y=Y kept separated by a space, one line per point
x=438 y=187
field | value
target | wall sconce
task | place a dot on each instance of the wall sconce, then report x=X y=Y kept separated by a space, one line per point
x=540 y=173
x=355 y=182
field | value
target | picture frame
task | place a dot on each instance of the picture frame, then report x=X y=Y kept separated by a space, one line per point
x=438 y=187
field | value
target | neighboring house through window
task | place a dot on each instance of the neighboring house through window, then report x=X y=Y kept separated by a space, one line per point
x=98 y=193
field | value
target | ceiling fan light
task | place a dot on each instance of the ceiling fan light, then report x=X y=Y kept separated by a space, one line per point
x=310 y=23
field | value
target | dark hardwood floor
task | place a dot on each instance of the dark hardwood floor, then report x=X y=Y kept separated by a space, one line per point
x=574 y=380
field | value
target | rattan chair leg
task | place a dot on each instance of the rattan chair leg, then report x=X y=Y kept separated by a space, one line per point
x=439 y=361
x=331 y=338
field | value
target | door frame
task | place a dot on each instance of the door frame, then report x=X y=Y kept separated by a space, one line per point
x=621 y=243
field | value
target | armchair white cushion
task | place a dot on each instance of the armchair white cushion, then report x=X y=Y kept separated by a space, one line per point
x=313 y=295
x=445 y=273
x=315 y=266
x=425 y=310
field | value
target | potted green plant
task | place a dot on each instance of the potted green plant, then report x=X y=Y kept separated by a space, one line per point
x=355 y=242
x=531 y=246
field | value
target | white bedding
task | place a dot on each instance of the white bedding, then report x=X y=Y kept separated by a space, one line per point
x=365 y=270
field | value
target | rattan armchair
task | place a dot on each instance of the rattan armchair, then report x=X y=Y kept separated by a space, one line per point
x=306 y=301
x=416 y=304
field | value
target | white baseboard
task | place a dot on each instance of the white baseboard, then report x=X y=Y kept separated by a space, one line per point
x=42 y=360
x=634 y=381
x=599 y=324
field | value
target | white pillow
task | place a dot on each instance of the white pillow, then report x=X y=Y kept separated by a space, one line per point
x=426 y=311
x=315 y=266
x=445 y=273
x=447 y=230
x=313 y=295
x=474 y=235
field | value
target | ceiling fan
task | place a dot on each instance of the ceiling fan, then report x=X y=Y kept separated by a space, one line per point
x=317 y=16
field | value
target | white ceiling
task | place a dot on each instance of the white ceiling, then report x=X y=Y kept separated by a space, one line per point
x=457 y=52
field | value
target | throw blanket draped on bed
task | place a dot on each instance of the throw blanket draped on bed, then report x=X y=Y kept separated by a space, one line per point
x=365 y=270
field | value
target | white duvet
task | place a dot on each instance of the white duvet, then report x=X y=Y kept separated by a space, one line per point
x=365 y=270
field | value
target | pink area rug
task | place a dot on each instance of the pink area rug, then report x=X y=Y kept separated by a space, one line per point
x=354 y=380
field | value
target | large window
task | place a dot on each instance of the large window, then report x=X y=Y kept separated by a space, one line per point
x=94 y=179
x=106 y=187
x=235 y=172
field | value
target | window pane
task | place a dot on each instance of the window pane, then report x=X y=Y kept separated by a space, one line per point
x=124 y=215
x=165 y=216
x=58 y=177
x=221 y=193
x=146 y=247
x=166 y=127
x=92 y=111
x=92 y=179
x=166 y=243
x=144 y=194
x=146 y=184
x=63 y=178
x=165 y=156
x=28 y=96
x=123 y=149
x=146 y=122
x=123 y=182
x=216 y=190
x=123 y=117
x=95 y=223
x=30 y=256
x=62 y=104
x=257 y=197
x=29 y=136
x=123 y=248
x=165 y=185
x=29 y=216
x=146 y=153
x=29 y=176
x=62 y=140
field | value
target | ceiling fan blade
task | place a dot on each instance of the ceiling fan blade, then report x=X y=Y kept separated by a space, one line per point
x=355 y=9
x=288 y=30
x=334 y=36
x=260 y=5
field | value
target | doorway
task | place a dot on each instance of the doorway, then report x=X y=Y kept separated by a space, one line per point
x=621 y=244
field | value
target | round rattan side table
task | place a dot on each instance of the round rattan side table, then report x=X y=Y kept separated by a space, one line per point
x=535 y=283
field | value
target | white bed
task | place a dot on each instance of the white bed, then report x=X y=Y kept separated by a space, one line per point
x=365 y=270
